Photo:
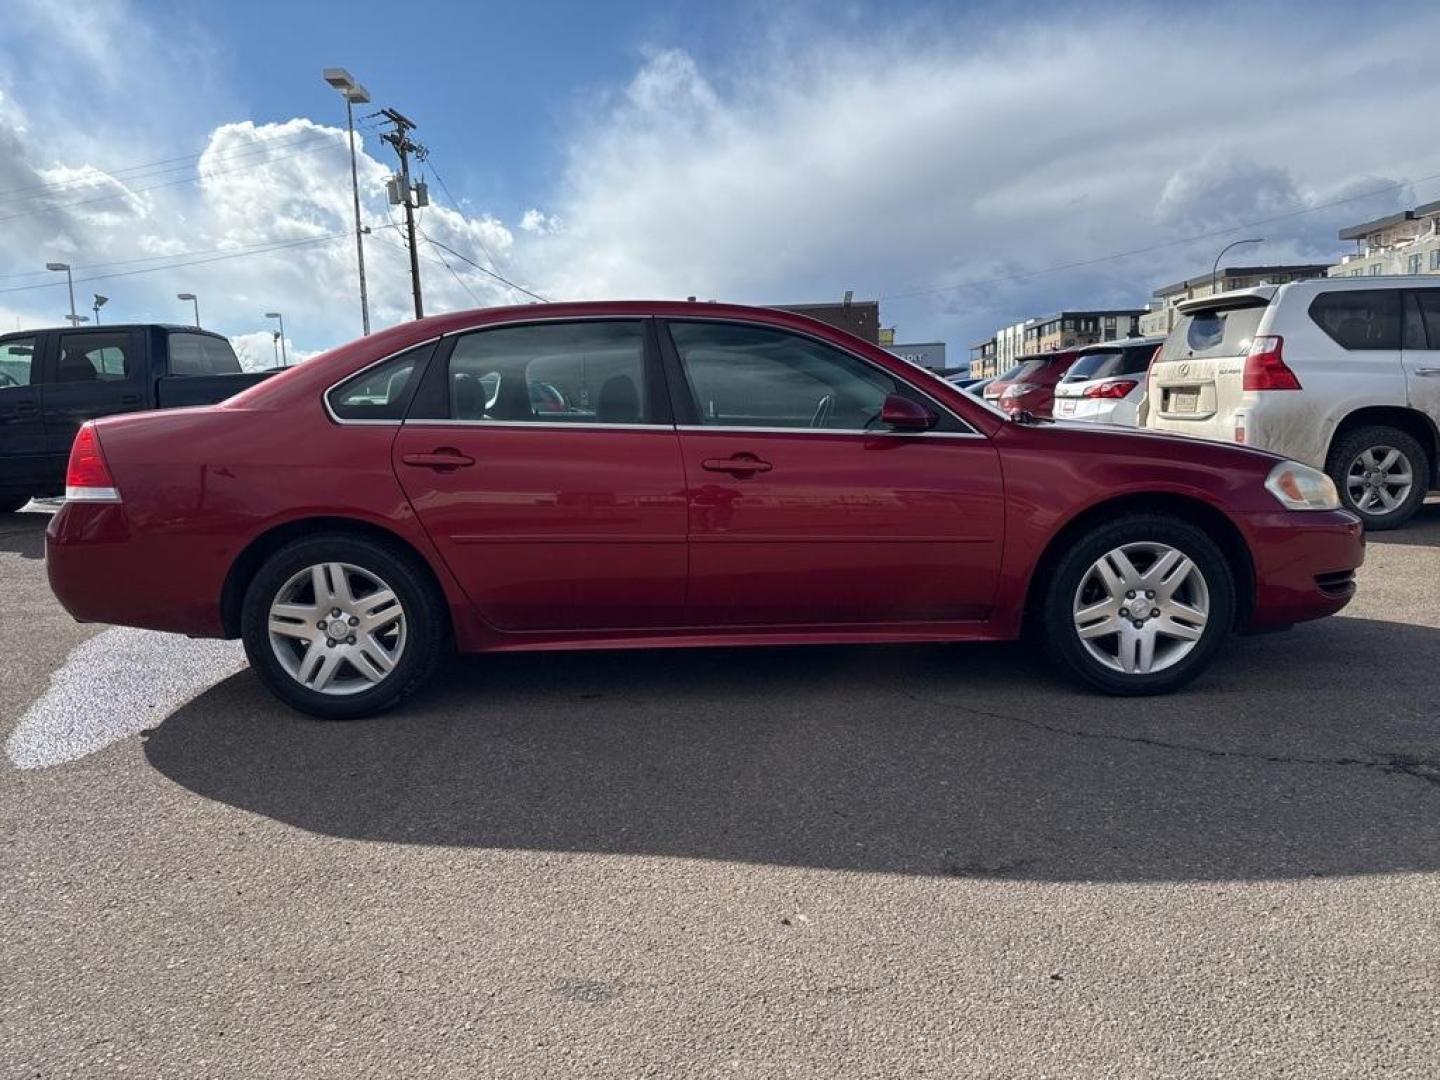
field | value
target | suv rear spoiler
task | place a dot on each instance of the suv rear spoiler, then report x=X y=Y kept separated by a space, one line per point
x=1259 y=296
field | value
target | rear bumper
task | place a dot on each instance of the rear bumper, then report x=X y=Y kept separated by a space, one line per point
x=1304 y=564
x=100 y=573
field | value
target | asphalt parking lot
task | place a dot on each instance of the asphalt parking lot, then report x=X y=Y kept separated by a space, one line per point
x=933 y=861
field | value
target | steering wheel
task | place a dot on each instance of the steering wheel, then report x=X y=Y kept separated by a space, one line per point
x=823 y=408
x=6 y=379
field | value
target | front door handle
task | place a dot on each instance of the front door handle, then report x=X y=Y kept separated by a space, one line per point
x=739 y=465
x=1427 y=371
x=27 y=408
x=129 y=399
x=442 y=460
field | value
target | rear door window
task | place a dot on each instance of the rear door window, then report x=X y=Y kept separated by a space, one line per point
x=201 y=354
x=96 y=357
x=1359 y=319
x=1214 y=332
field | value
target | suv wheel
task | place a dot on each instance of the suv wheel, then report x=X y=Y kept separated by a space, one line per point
x=1139 y=605
x=342 y=627
x=1382 y=474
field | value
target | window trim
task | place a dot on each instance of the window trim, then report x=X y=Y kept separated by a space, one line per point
x=687 y=415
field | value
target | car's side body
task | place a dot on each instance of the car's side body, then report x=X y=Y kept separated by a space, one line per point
x=574 y=535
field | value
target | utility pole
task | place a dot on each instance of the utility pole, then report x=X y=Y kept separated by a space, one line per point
x=402 y=193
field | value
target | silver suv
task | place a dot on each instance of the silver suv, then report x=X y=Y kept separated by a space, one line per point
x=1340 y=373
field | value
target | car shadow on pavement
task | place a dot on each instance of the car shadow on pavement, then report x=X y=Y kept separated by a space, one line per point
x=1310 y=753
x=24 y=534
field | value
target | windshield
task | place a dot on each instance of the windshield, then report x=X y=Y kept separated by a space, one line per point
x=1216 y=332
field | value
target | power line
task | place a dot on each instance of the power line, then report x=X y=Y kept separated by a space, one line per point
x=156 y=168
x=152 y=187
x=492 y=273
x=1001 y=279
x=284 y=245
x=458 y=279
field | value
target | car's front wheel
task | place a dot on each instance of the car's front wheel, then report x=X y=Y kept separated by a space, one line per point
x=342 y=627
x=1139 y=605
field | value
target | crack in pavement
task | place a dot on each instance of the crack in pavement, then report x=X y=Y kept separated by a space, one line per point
x=1419 y=768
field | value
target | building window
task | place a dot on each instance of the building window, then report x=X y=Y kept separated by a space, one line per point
x=1413 y=264
x=1375 y=270
x=1435 y=259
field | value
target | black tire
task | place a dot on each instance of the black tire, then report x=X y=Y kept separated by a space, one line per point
x=11 y=503
x=1061 y=639
x=427 y=626
x=1345 y=452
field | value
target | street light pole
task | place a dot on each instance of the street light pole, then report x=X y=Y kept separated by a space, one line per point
x=275 y=344
x=354 y=94
x=70 y=283
x=285 y=357
x=1215 y=270
x=100 y=301
x=194 y=300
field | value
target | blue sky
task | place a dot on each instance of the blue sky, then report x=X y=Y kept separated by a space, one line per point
x=944 y=158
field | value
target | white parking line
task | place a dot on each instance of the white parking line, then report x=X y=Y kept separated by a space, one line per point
x=116 y=684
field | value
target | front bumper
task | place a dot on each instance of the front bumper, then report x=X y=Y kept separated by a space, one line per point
x=1304 y=564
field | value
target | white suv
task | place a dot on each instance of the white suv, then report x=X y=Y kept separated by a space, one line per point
x=1340 y=373
x=1106 y=383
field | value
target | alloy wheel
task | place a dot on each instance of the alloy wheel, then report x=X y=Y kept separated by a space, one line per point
x=337 y=628
x=1141 y=608
x=1379 y=480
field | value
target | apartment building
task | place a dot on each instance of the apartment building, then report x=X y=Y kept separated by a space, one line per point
x=1403 y=243
x=1010 y=344
x=1075 y=329
x=984 y=361
x=1162 y=315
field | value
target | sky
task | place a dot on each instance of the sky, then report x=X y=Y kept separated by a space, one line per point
x=968 y=165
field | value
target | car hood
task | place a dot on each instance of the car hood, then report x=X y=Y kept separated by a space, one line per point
x=1162 y=445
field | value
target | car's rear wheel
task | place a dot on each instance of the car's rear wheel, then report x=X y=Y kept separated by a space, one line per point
x=342 y=627
x=1382 y=474
x=1139 y=605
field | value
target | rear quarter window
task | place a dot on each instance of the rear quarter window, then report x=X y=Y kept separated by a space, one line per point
x=381 y=392
x=1359 y=319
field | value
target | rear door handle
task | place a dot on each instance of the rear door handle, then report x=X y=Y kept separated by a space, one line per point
x=27 y=408
x=441 y=459
x=741 y=465
x=129 y=399
x=1427 y=371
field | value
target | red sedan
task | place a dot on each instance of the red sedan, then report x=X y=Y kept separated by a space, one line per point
x=623 y=475
x=1030 y=385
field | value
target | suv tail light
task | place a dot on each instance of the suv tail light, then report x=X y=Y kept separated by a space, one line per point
x=87 y=478
x=1114 y=388
x=1265 y=366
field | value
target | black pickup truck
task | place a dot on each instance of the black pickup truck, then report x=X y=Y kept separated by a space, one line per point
x=52 y=381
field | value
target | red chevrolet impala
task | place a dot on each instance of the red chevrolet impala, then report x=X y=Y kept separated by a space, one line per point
x=622 y=475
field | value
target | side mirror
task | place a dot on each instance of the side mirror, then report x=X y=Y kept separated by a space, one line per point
x=901 y=414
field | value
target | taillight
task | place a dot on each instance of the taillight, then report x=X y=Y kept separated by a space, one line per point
x=1265 y=366
x=87 y=478
x=1114 y=388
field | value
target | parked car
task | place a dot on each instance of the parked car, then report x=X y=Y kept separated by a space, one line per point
x=52 y=381
x=1340 y=373
x=721 y=475
x=1030 y=385
x=1106 y=383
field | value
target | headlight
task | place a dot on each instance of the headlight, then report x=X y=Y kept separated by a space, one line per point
x=1299 y=487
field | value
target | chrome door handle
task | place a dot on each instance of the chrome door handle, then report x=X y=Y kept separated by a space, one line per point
x=1427 y=371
